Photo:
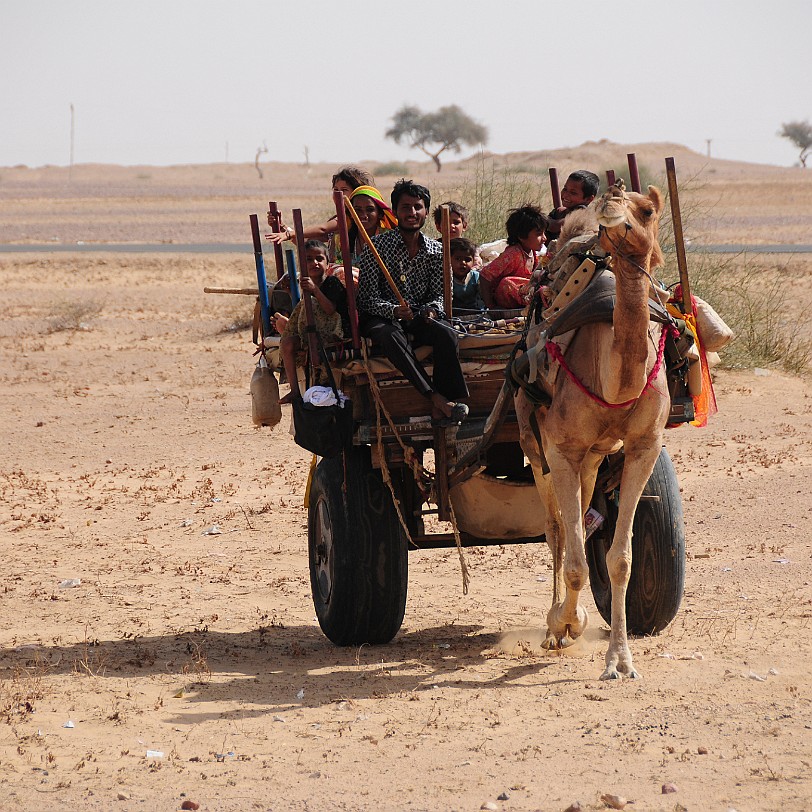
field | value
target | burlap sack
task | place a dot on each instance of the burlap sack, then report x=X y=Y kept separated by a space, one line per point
x=713 y=332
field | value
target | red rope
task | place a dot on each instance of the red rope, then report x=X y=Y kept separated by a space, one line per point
x=555 y=353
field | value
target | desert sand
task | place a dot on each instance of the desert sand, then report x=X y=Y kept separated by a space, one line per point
x=158 y=643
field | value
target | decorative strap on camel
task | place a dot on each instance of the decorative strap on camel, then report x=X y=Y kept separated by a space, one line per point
x=555 y=353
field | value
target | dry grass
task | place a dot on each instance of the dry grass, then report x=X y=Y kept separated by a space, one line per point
x=72 y=316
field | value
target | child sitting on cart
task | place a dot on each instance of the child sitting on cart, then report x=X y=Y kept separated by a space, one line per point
x=330 y=314
x=465 y=281
x=503 y=282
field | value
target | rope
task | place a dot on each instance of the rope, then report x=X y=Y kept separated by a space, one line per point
x=419 y=473
x=555 y=352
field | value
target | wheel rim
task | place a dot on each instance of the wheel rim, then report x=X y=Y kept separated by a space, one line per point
x=323 y=552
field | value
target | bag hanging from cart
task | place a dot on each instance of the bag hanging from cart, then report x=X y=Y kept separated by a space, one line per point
x=324 y=430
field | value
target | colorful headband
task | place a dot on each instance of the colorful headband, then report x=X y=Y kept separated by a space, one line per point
x=388 y=220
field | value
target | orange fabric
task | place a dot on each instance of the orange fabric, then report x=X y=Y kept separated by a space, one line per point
x=705 y=404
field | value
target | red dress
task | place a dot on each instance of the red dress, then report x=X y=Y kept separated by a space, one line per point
x=508 y=275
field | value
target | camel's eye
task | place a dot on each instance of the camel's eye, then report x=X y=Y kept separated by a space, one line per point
x=648 y=212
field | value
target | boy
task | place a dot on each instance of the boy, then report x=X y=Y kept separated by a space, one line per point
x=578 y=192
x=330 y=315
x=465 y=278
x=457 y=216
x=458 y=224
x=416 y=265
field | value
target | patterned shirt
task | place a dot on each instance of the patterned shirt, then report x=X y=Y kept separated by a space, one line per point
x=419 y=278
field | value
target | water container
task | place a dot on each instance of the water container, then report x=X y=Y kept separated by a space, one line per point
x=265 y=407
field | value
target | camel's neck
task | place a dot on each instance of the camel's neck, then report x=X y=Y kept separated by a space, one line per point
x=630 y=321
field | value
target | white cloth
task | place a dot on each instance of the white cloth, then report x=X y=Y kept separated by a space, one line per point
x=323 y=396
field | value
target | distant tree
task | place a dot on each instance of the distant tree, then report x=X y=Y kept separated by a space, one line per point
x=800 y=133
x=448 y=128
x=260 y=151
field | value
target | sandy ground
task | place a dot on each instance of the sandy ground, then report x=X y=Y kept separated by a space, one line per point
x=188 y=666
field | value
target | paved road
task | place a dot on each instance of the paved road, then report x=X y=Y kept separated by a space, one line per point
x=247 y=248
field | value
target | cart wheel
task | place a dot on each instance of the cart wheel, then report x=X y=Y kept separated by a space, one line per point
x=358 y=552
x=658 y=554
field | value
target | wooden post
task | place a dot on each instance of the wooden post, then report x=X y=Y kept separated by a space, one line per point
x=634 y=175
x=312 y=343
x=610 y=177
x=445 y=230
x=346 y=257
x=279 y=260
x=555 y=188
x=262 y=282
x=679 y=242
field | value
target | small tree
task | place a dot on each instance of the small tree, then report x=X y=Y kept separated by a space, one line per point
x=448 y=128
x=800 y=133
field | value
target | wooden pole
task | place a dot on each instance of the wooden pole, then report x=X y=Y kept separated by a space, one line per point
x=679 y=242
x=346 y=258
x=365 y=237
x=262 y=282
x=312 y=343
x=240 y=291
x=276 y=227
x=555 y=188
x=634 y=175
x=610 y=177
x=445 y=230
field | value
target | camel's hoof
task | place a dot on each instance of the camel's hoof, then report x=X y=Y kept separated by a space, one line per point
x=611 y=672
x=566 y=629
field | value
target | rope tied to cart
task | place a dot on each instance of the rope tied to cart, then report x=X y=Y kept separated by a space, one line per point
x=421 y=475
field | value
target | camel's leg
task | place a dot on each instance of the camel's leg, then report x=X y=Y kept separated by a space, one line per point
x=567 y=619
x=553 y=531
x=641 y=455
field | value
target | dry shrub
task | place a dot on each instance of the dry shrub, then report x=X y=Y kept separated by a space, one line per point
x=239 y=315
x=20 y=692
x=73 y=315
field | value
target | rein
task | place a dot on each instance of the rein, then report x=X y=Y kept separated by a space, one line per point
x=555 y=353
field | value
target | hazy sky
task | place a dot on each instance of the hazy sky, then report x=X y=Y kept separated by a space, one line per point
x=174 y=81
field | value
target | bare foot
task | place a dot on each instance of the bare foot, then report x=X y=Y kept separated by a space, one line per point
x=440 y=407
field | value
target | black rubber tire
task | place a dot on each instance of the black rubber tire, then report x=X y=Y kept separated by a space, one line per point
x=358 y=552
x=657 y=579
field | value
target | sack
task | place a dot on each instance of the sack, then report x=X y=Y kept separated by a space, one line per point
x=265 y=407
x=324 y=430
x=713 y=332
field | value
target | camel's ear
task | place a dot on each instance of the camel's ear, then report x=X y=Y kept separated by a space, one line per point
x=656 y=197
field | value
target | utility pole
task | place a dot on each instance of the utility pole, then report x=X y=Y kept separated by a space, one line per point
x=708 y=142
x=70 y=166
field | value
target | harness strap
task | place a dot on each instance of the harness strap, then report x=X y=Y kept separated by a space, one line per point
x=556 y=354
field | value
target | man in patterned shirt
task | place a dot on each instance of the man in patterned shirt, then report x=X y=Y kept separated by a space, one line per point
x=415 y=262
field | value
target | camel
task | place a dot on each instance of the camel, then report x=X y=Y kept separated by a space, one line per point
x=627 y=404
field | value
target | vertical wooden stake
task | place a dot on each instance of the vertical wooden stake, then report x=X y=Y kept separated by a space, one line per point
x=279 y=260
x=312 y=343
x=346 y=257
x=445 y=230
x=555 y=188
x=634 y=175
x=679 y=242
x=262 y=282
x=610 y=177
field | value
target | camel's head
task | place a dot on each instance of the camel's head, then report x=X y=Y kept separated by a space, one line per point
x=629 y=223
